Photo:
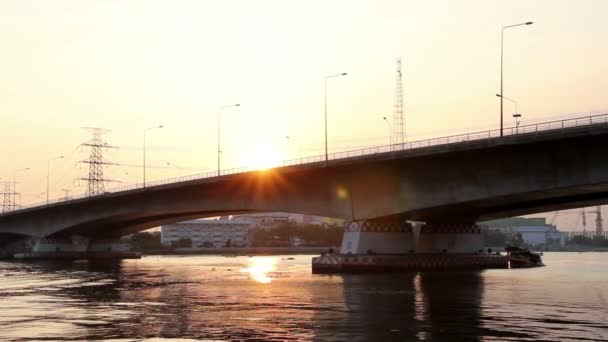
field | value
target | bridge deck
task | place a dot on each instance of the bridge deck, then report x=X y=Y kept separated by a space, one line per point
x=559 y=129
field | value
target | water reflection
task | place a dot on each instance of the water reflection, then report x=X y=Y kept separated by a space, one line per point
x=274 y=298
x=413 y=306
x=450 y=305
x=260 y=267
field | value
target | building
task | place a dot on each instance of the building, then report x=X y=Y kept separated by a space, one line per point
x=591 y=234
x=541 y=235
x=316 y=220
x=534 y=231
x=264 y=220
x=208 y=233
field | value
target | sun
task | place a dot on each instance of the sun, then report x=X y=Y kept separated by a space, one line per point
x=263 y=156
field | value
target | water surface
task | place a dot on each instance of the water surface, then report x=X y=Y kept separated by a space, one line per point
x=275 y=298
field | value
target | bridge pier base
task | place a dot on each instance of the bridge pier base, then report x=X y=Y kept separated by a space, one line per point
x=78 y=247
x=396 y=245
x=384 y=236
x=450 y=238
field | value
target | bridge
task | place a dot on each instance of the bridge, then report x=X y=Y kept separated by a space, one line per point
x=449 y=183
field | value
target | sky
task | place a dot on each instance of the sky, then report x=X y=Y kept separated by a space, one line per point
x=127 y=65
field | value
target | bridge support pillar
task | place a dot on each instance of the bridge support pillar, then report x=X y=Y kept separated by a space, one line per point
x=397 y=245
x=382 y=236
x=76 y=243
x=449 y=238
x=78 y=247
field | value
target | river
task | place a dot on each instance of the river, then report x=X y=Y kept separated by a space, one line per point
x=277 y=298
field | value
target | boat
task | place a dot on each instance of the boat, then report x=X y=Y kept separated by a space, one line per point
x=522 y=258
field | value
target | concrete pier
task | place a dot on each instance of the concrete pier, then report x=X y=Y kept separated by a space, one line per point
x=78 y=247
x=77 y=255
x=340 y=263
x=396 y=245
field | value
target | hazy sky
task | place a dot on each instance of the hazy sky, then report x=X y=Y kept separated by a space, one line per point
x=127 y=65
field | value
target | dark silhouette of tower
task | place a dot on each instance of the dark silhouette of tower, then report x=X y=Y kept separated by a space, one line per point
x=95 y=180
x=398 y=127
x=8 y=203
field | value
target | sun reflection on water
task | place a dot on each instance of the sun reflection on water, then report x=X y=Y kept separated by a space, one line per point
x=259 y=267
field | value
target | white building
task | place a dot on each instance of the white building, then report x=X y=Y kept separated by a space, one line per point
x=540 y=235
x=534 y=230
x=211 y=233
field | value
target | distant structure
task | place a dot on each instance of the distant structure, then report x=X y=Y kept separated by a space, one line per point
x=264 y=220
x=398 y=127
x=8 y=197
x=208 y=233
x=95 y=180
x=534 y=231
x=599 y=221
x=582 y=216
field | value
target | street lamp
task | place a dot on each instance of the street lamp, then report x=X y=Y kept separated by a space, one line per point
x=515 y=114
x=146 y=131
x=325 y=92
x=509 y=99
x=48 y=176
x=390 y=131
x=502 y=34
x=15 y=185
x=517 y=118
x=219 y=151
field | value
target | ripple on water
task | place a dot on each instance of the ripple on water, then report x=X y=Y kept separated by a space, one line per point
x=197 y=297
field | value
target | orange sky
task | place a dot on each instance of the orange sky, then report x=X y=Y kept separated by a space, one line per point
x=127 y=65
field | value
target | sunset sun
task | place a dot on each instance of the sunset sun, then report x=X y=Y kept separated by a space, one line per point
x=263 y=156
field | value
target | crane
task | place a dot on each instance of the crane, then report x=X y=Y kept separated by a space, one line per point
x=599 y=221
x=556 y=214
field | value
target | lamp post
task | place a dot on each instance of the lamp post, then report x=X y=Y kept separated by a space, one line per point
x=515 y=114
x=502 y=34
x=219 y=151
x=15 y=186
x=48 y=176
x=325 y=93
x=517 y=118
x=146 y=131
x=390 y=131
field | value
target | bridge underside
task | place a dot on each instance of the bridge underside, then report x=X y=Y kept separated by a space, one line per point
x=482 y=210
x=456 y=183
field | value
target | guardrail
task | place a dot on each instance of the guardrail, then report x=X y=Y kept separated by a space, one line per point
x=556 y=125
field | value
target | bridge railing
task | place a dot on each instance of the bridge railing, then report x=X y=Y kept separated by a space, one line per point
x=556 y=125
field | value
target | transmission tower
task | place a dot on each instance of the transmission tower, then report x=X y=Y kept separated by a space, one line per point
x=8 y=193
x=398 y=129
x=95 y=180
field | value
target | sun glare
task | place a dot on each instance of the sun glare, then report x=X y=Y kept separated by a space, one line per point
x=263 y=156
x=259 y=267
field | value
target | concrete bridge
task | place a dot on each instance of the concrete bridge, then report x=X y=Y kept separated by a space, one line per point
x=445 y=182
